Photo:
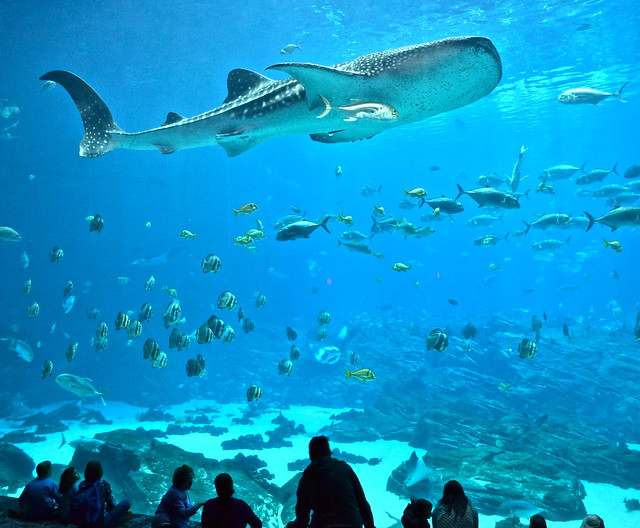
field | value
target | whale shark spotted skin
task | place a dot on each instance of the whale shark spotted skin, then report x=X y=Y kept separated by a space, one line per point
x=418 y=81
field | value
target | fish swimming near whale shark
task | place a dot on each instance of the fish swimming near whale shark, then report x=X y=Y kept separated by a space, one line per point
x=418 y=81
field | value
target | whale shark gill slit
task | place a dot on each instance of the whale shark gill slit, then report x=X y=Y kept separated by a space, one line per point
x=418 y=81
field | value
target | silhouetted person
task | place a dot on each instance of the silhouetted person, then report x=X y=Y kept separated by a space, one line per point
x=416 y=514
x=454 y=509
x=592 y=521
x=331 y=489
x=67 y=489
x=176 y=507
x=537 y=521
x=225 y=511
x=39 y=499
x=110 y=514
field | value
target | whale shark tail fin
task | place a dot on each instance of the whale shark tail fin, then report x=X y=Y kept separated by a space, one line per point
x=98 y=122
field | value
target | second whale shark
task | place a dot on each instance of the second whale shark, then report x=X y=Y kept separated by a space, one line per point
x=416 y=81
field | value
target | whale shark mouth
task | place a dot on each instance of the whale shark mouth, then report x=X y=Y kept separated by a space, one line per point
x=418 y=81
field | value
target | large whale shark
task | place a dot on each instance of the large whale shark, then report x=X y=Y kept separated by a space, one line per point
x=418 y=81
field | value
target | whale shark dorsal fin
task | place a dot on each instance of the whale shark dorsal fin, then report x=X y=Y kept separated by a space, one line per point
x=172 y=117
x=241 y=82
x=338 y=86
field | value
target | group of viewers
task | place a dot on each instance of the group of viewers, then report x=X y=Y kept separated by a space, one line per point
x=329 y=495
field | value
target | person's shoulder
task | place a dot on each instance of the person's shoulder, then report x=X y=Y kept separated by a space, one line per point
x=173 y=491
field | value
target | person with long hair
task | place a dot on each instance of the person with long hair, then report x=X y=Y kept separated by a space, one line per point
x=110 y=514
x=225 y=511
x=67 y=488
x=537 y=521
x=454 y=509
x=175 y=508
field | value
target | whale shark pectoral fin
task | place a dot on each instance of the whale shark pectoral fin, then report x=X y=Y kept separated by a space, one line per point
x=96 y=116
x=338 y=86
x=242 y=82
x=165 y=149
x=236 y=142
x=344 y=136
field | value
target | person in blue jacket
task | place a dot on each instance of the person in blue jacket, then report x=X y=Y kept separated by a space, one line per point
x=39 y=499
x=176 y=507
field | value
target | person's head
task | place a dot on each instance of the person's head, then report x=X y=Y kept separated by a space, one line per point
x=416 y=514
x=592 y=521
x=224 y=485
x=319 y=447
x=93 y=470
x=537 y=521
x=183 y=477
x=67 y=479
x=43 y=469
x=452 y=490
x=454 y=498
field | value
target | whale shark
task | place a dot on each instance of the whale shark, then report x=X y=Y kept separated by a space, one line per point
x=418 y=81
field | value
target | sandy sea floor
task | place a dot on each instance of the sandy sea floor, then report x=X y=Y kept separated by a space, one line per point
x=603 y=499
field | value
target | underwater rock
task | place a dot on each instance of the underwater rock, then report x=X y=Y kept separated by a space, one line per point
x=155 y=415
x=54 y=427
x=16 y=468
x=201 y=419
x=348 y=457
x=20 y=436
x=250 y=441
x=510 y=522
x=298 y=465
x=69 y=412
x=140 y=468
x=175 y=429
x=155 y=433
x=497 y=482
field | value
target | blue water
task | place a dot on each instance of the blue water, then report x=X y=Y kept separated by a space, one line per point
x=148 y=58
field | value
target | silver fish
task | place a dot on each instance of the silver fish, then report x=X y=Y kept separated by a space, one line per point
x=81 y=387
x=588 y=96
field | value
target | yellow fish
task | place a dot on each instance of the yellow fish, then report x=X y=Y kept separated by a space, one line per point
x=615 y=245
x=361 y=375
x=399 y=266
x=419 y=192
x=246 y=209
x=348 y=220
x=378 y=209
x=187 y=235
x=256 y=234
x=436 y=213
x=246 y=239
x=171 y=291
